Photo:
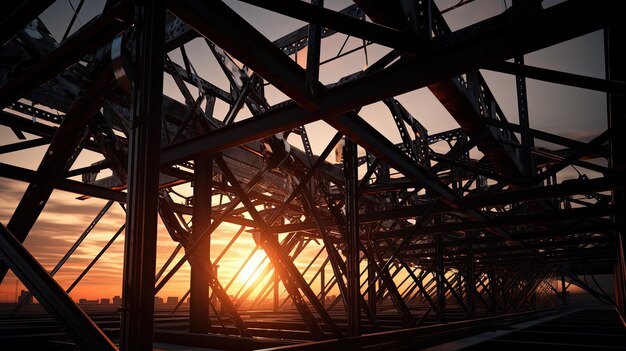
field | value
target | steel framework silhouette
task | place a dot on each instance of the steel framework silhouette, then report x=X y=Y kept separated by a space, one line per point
x=421 y=243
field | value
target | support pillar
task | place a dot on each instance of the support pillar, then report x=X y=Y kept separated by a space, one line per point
x=352 y=230
x=526 y=136
x=615 y=55
x=522 y=107
x=371 y=289
x=440 y=271
x=323 y=284
x=563 y=291
x=471 y=280
x=313 y=52
x=143 y=179
x=276 y=294
x=199 y=321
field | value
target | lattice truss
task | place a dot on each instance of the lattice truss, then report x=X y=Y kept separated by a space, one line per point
x=412 y=227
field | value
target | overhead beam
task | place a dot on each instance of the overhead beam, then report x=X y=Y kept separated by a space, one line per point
x=345 y=24
x=26 y=175
x=16 y=15
x=564 y=78
x=59 y=156
x=469 y=49
x=89 y=38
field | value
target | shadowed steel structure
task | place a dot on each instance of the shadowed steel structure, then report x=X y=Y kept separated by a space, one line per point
x=461 y=230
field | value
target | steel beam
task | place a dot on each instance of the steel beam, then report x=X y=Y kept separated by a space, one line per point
x=61 y=153
x=344 y=23
x=26 y=175
x=16 y=15
x=50 y=294
x=569 y=79
x=199 y=321
x=143 y=179
x=350 y=167
x=291 y=277
x=91 y=37
x=468 y=49
x=614 y=58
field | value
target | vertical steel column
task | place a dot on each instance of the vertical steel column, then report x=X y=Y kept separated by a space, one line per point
x=143 y=179
x=371 y=288
x=276 y=294
x=323 y=284
x=352 y=230
x=471 y=278
x=199 y=321
x=440 y=271
x=526 y=136
x=491 y=287
x=615 y=57
x=313 y=52
x=522 y=108
x=563 y=290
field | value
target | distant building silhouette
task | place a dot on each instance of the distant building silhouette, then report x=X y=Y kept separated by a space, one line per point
x=88 y=302
x=117 y=300
x=172 y=300
x=105 y=301
x=25 y=295
x=158 y=300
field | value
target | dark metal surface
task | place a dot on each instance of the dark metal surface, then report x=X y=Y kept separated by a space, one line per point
x=468 y=226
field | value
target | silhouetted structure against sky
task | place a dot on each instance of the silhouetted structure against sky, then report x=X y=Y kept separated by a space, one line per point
x=477 y=181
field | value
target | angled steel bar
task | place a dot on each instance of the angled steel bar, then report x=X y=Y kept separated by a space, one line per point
x=215 y=263
x=23 y=145
x=91 y=37
x=547 y=27
x=25 y=175
x=16 y=16
x=58 y=158
x=532 y=286
x=342 y=23
x=565 y=78
x=189 y=251
x=291 y=277
x=382 y=270
x=420 y=285
x=297 y=245
x=454 y=293
x=269 y=286
x=48 y=292
x=286 y=79
x=307 y=177
x=591 y=145
x=167 y=262
x=616 y=107
x=336 y=262
x=69 y=252
x=95 y=259
x=352 y=236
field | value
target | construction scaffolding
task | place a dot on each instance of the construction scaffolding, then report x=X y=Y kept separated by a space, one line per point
x=453 y=232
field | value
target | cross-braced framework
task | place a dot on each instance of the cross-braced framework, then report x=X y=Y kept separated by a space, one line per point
x=414 y=240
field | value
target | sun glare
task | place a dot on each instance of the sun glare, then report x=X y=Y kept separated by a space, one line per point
x=250 y=273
